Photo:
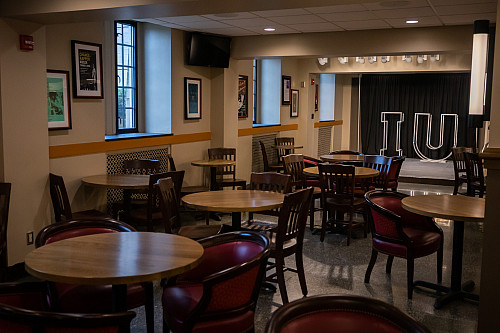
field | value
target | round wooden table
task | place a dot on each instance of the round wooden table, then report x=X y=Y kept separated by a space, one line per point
x=337 y=158
x=234 y=202
x=117 y=258
x=359 y=172
x=213 y=164
x=460 y=209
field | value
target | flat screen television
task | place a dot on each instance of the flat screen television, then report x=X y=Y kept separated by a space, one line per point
x=208 y=50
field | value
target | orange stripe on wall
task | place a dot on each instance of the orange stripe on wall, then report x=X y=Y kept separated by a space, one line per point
x=328 y=123
x=267 y=129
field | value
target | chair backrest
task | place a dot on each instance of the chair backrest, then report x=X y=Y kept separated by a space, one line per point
x=474 y=169
x=4 y=217
x=394 y=170
x=337 y=181
x=346 y=313
x=380 y=163
x=265 y=161
x=141 y=166
x=169 y=205
x=60 y=199
x=345 y=152
x=23 y=309
x=224 y=154
x=294 y=166
x=153 y=203
x=231 y=269
x=171 y=163
x=457 y=154
x=59 y=231
x=270 y=181
x=283 y=142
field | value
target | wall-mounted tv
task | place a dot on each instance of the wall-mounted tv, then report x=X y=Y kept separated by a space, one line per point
x=208 y=50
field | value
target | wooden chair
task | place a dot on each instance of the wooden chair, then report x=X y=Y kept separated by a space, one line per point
x=394 y=170
x=61 y=205
x=169 y=204
x=459 y=168
x=284 y=151
x=294 y=166
x=475 y=174
x=269 y=167
x=23 y=308
x=267 y=181
x=288 y=238
x=400 y=233
x=226 y=154
x=337 y=183
x=185 y=190
x=320 y=314
x=380 y=163
x=4 y=217
x=93 y=298
x=220 y=294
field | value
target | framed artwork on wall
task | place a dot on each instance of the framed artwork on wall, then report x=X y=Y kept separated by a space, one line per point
x=242 y=96
x=87 y=69
x=192 y=98
x=286 y=86
x=294 y=106
x=58 y=101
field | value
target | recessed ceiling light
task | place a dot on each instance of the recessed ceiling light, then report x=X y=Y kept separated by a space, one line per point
x=269 y=29
x=411 y=21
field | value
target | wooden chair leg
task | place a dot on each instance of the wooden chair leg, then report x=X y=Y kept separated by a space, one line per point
x=300 y=271
x=369 y=269
x=440 y=264
x=388 y=266
x=280 y=266
x=409 y=277
x=323 y=225
x=349 y=229
x=207 y=218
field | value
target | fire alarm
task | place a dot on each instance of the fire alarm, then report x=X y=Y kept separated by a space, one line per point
x=312 y=81
x=26 y=43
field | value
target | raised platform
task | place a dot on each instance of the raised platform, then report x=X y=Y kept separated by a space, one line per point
x=426 y=172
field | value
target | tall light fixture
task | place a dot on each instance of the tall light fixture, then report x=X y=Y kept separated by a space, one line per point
x=478 y=72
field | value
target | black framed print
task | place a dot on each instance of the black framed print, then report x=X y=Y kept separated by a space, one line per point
x=294 y=106
x=286 y=86
x=58 y=100
x=87 y=69
x=242 y=96
x=192 y=98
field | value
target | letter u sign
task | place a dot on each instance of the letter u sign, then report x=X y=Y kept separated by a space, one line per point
x=454 y=118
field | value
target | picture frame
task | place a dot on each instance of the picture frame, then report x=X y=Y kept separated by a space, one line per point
x=242 y=96
x=87 y=69
x=58 y=100
x=192 y=98
x=286 y=86
x=294 y=106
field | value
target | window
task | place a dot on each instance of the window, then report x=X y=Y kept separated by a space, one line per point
x=326 y=96
x=268 y=91
x=126 y=77
x=254 y=90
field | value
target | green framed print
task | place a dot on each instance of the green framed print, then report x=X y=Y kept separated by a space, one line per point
x=58 y=102
x=192 y=98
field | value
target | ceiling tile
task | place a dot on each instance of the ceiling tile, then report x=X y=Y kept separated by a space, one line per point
x=229 y=16
x=231 y=31
x=428 y=21
x=351 y=16
x=467 y=19
x=458 y=2
x=280 y=29
x=281 y=12
x=363 y=25
x=205 y=25
x=183 y=19
x=383 y=5
x=297 y=19
x=467 y=9
x=162 y=23
x=336 y=9
x=253 y=22
x=315 y=27
x=401 y=13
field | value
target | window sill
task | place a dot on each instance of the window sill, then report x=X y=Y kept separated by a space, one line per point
x=265 y=125
x=127 y=136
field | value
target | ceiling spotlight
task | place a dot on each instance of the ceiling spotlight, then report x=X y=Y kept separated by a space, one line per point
x=322 y=61
x=434 y=57
x=385 y=59
x=372 y=59
x=343 y=60
x=421 y=58
x=406 y=58
x=361 y=60
x=269 y=29
x=411 y=21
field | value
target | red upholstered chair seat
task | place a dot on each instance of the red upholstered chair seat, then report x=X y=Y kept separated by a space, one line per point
x=77 y=233
x=424 y=243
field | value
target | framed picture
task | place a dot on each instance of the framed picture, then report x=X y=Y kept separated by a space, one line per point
x=286 y=86
x=242 y=96
x=192 y=98
x=294 y=106
x=58 y=102
x=87 y=69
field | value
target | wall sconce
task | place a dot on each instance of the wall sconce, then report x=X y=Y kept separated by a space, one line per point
x=322 y=61
x=385 y=59
x=372 y=59
x=406 y=58
x=478 y=72
x=361 y=60
x=343 y=60
x=434 y=57
x=421 y=58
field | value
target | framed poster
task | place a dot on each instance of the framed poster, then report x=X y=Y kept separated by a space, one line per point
x=286 y=86
x=242 y=96
x=87 y=69
x=58 y=102
x=294 y=106
x=192 y=98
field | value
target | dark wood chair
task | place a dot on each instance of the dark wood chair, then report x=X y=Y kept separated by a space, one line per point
x=169 y=204
x=61 y=205
x=400 y=233
x=475 y=174
x=267 y=181
x=4 y=217
x=394 y=170
x=284 y=142
x=269 y=167
x=344 y=313
x=288 y=238
x=337 y=183
x=459 y=168
x=345 y=152
x=185 y=190
x=380 y=163
x=23 y=308
x=93 y=298
x=222 y=172
x=220 y=294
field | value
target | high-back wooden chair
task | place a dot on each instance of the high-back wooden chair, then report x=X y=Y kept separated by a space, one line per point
x=4 y=217
x=222 y=172
x=475 y=174
x=337 y=183
x=380 y=163
x=267 y=166
x=141 y=166
x=394 y=170
x=284 y=141
x=459 y=168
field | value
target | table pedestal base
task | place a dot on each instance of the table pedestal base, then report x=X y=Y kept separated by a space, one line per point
x=449 y=294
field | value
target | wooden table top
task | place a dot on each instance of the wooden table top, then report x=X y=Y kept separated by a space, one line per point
x=342 y=158
x=230 y=201
x=359 y=172
x=452 y=207
x=114 y=258
x=118 y=181
x=213 y=163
